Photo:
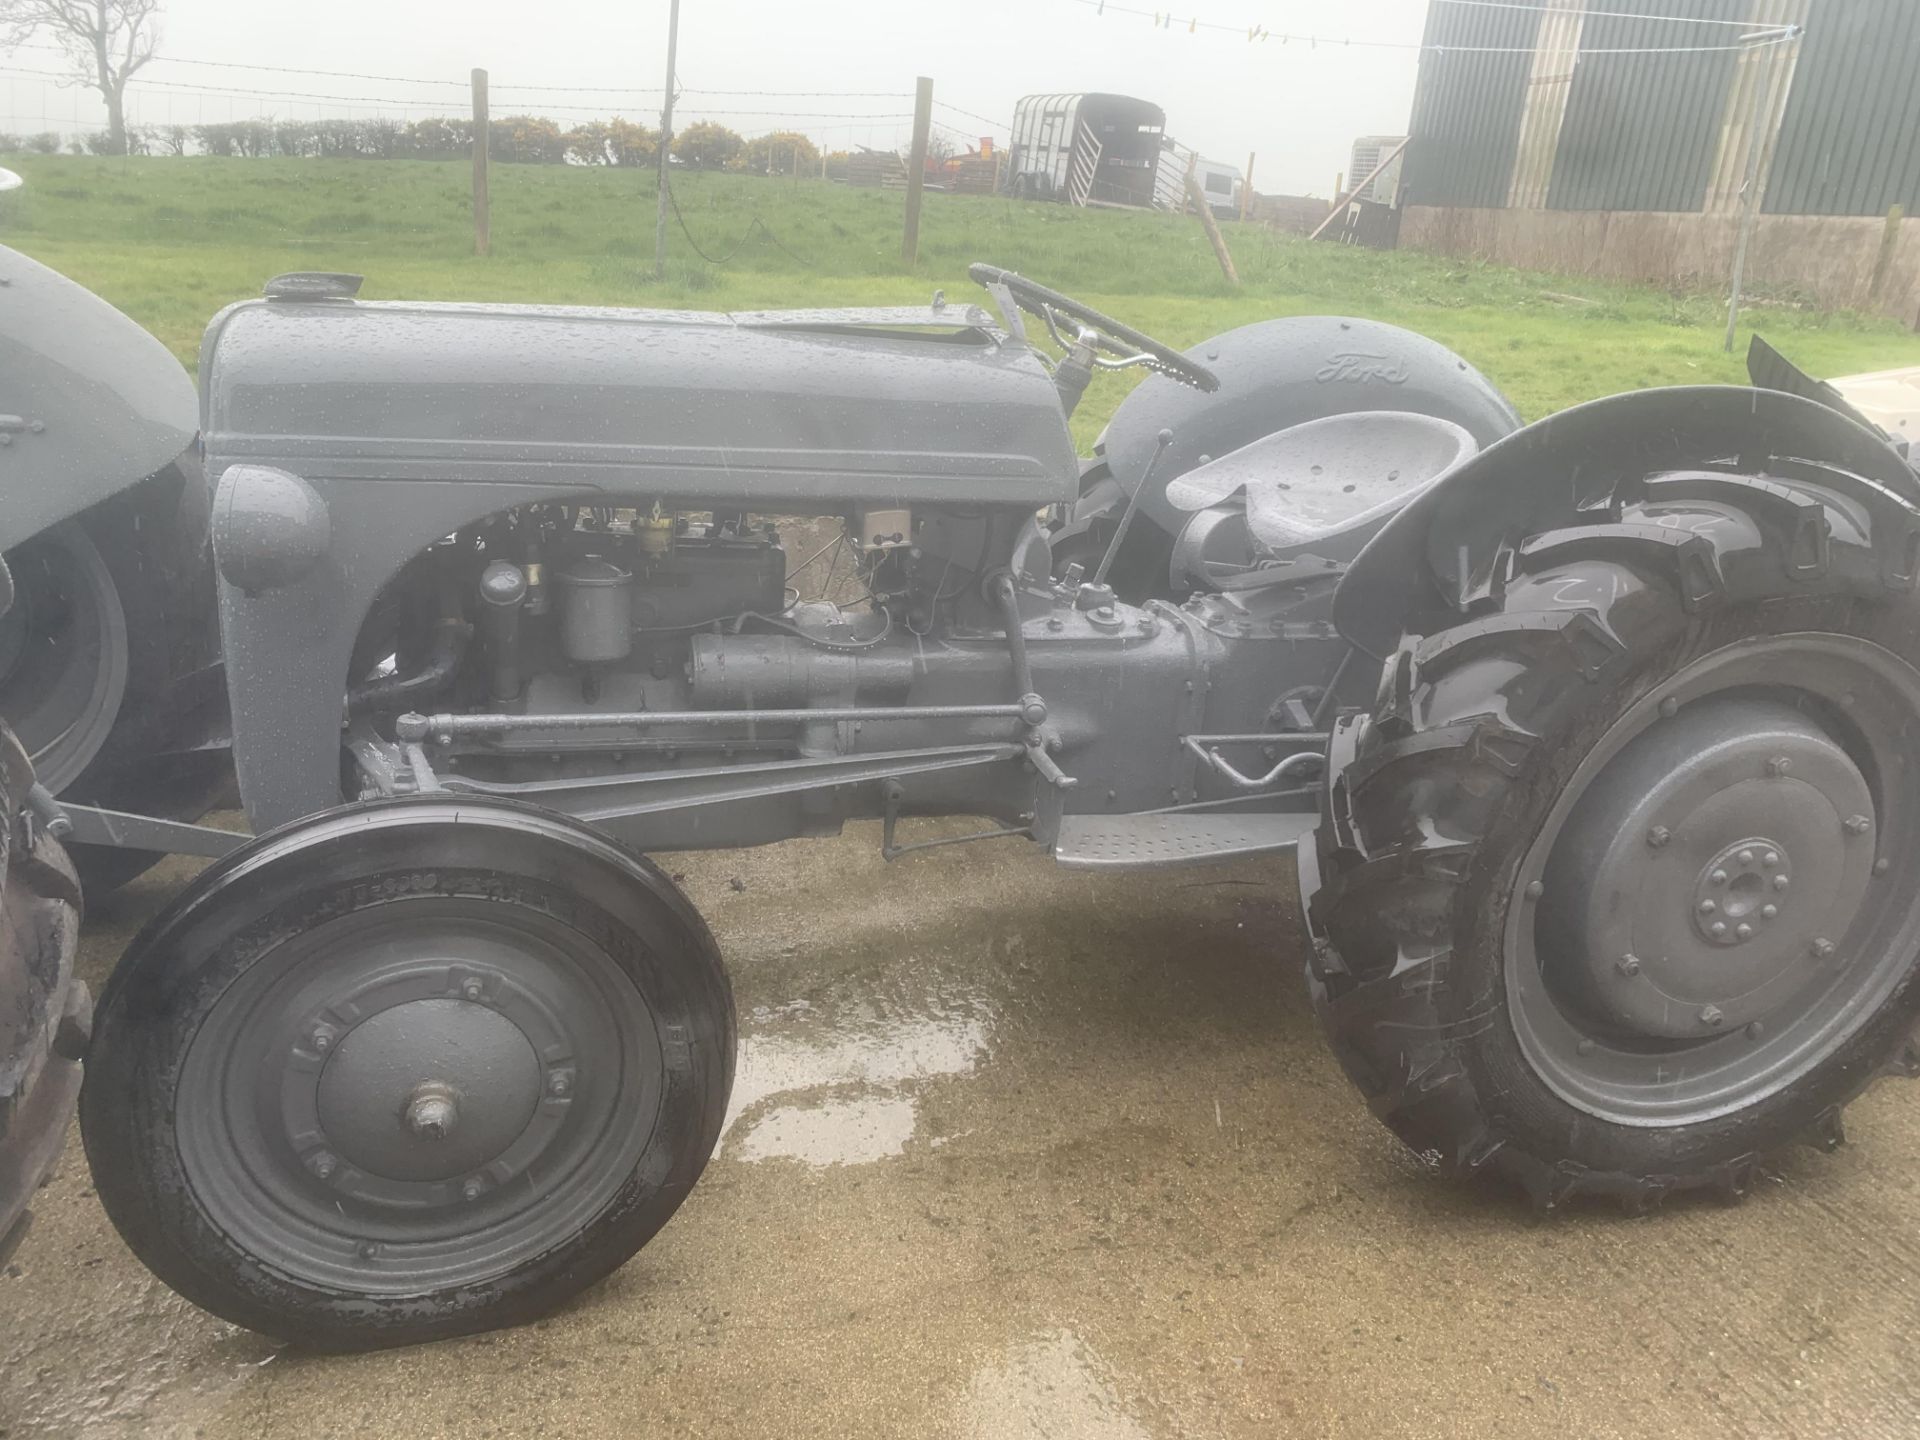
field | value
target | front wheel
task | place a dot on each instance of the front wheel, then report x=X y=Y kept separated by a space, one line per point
x=1615 y=894
x=406 y=1071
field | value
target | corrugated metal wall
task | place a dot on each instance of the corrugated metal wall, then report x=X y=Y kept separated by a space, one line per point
x=1641 y=131
x=1668 y=132
x=1850 y=140
x=1467 y=108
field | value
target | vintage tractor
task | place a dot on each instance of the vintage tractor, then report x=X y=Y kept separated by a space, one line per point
x=1593 y=738
x=109 y=653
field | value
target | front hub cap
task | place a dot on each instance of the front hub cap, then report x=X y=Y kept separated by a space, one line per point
x=1721 y=916
x=428 y=1089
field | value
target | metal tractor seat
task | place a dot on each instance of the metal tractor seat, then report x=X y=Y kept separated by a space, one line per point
x=1325 y=486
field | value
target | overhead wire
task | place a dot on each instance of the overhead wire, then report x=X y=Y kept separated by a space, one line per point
x=1167 y=20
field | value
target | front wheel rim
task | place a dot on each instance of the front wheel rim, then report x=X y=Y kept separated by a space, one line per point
x=1735 y=1005
x=424 y=1095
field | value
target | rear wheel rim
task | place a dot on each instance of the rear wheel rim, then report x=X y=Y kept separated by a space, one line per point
x=1730 y=1005
x=63 y=653
x=424 y=1095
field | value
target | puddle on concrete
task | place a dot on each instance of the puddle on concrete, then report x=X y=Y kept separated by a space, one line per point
x=847 y=1081
x=1052 y=1388
x=835 y=1132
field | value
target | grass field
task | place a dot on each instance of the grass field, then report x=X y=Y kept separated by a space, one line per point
x=172 y=240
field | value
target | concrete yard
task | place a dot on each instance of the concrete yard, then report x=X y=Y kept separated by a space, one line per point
x=1020 y=1153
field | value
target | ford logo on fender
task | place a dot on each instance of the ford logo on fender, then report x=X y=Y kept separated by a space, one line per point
x=1358 y=366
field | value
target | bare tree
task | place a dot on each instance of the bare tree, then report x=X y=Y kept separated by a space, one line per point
x=106 y=41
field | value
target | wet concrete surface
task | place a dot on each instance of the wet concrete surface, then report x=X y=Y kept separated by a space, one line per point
x=1019 y=1153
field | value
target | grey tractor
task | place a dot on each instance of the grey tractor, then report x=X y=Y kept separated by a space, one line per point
x=1594 y=740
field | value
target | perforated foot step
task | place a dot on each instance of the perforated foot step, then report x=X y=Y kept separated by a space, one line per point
x=1140 y=842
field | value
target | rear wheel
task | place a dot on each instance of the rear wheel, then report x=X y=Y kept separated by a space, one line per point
x=1615 y=891
x=107 y=662
x=407 y=1071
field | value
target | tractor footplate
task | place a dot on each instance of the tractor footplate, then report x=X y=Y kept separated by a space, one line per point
x=1137 y=842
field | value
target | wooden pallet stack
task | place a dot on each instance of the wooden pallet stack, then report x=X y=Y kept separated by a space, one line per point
x=876 y=169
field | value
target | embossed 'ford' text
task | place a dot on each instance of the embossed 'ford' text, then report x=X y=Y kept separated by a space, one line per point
x=1359 y=366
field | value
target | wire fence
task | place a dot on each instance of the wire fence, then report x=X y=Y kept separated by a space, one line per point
x=245 y=108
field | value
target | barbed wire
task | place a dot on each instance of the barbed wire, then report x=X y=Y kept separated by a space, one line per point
x=465 y=84
x=425 y=103
x=997 y=124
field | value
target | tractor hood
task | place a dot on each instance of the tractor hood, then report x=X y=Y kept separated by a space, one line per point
x=896 y=407
x=92 y=402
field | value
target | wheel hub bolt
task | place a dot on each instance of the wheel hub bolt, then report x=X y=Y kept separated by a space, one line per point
x=1658 y=836
x=1710 y=1015
x=1781 y=882
x=1744 y=931
x=1769 y=912
x=322 y=1040
x=1755 y=1030
x=1707 y=907
x=1770 y=859
x=322 y=1165
x=1778 y=766
x=1628 y=964
x=1535 y=890
x=1823 y=949
x=560 y=1083
x=1719 y=927
x=431 y=1111
x=1719 y=877
x=473 y=1189
x=1858 y=825
x=473 y=990
x=1746 y=857
x=1880 y=867
x=1670 y=707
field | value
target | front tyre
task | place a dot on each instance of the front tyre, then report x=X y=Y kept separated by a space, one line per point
x=406 y=1071
x=1615 y=894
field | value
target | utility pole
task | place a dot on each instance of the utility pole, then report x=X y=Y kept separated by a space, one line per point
x=482 y=143
x=917 y=168
x=666 y=143
x=1750 y=191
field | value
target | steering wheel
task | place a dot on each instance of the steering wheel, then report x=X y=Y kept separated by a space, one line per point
x=1127 y=346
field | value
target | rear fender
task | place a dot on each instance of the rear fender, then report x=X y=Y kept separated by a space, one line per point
x=1424 y=568
x=94 y=403
x=1279 y=373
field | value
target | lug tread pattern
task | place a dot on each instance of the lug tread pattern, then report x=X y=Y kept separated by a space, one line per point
x=1413 y=793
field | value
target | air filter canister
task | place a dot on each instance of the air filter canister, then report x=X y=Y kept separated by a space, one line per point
x=596 y=614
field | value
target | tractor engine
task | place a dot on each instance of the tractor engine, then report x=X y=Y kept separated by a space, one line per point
x=563 y=608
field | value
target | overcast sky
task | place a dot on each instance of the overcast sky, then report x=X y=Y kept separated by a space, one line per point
x=1298 y=105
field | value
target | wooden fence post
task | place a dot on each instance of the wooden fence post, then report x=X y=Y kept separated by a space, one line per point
x=482 y=143
x=1889 y=239
x=1246 y=189
x=1208 y=223
x=917 y=168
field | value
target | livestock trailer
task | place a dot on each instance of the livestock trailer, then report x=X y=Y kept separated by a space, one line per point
x=1086 y=149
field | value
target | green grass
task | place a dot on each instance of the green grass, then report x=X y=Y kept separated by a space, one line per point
x=172 y=240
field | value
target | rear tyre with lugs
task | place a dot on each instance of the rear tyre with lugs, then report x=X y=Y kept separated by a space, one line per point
x=1615 y=893
x=408 y=1070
